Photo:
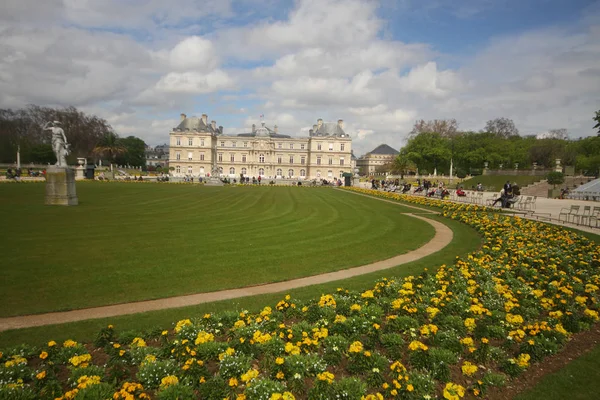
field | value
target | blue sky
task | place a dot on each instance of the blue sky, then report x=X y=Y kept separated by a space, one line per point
x=379 y=65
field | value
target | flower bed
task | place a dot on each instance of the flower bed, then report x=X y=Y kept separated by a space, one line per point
x=451 y=332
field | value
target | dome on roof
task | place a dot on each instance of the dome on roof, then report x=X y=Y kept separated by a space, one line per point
x=262 y=131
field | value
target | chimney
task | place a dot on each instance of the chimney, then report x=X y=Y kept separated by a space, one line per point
x=341 y=123
x=213 y=125
x=253 y=128
x=221 y=129
x=183 y=116
x=275 y=129
x=204 y=119
x=314 y=128
x=319 y=122
x=310 y=132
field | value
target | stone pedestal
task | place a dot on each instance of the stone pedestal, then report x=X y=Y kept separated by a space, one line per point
x=214 y=181
x=60 y=186
x=80 y=173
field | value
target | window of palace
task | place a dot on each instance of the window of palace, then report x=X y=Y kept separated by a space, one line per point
x=278 y=159
x=201 y=142
x=244 y=171
x=302 y=160
x=178 y=169
x=330 y=174
x=291 y=159
x=261 y=171
x=232 y=157
x=279 y=172
x=342 y=146
x=279 y=145
x=243 y=158
x=201 y=156
x=302 y=146
x=303 y=172
x=341 y=160
x=245 y=144
x=190 y=156
x=318 y=146
x=178 y=156
x=330 y=146
x=261 y=158
x=220 y=158
x=190 y=142
x=190 y=170
x=341 y=174
x=231 y=171
x=292 y=146
x=222 y=144
x=178 y=141
x=330 y=160
x=318 y=160
x=290 y=173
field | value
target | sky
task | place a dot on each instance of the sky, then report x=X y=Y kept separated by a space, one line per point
x=378 y=65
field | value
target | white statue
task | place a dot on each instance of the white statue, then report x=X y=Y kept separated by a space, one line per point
x=59 y=143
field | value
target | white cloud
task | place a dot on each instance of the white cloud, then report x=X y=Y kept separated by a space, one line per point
x=194 y=82
x=193 y=53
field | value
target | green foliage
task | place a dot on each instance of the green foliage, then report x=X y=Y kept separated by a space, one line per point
x=597 y=119
x=263 y=389
x=151 y=373
x=555 y=178
x=100 y=391
x=348 y=389
x=135 y=154
x=177 y=392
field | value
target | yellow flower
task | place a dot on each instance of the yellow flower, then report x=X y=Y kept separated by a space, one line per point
x=410 y=387
x=416 y=345
x=233 y=382
x=43 y=355
x=204 y=337
x=356 y=347
x=68 y=343
x=452 y=391
x=326 y=376
x=249 y=375
x=139 y=342
x=165 y=333
x=41 y=375
x=80 y=361
x=469 y=369
x=280 y=375
x=279 y=360
x=168 y=381
x=51 y=343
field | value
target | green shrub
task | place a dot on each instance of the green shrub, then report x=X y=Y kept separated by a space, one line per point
x=177 y=392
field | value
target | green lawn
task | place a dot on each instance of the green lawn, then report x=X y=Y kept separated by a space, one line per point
x=465 y=240
x=579 y=380
x=128 y=242
x=494 y=183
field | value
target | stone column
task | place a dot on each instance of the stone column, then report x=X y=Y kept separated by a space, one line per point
x=60 y=186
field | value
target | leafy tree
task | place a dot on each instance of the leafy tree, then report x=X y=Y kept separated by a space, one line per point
x=597 y=119
x=401 y=164
x=135 y=154
x=109 y=146
x=503 y=127
x=555 y=178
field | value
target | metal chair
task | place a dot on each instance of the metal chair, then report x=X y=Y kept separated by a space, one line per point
x=567 y=213
x=595 y=216
x=587 y=212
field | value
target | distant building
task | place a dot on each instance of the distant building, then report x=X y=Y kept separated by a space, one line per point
x=381 y=155
x=326 y=153
x=157 y=156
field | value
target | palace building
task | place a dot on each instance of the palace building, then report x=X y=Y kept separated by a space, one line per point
x=325 y=154
x=378 y=157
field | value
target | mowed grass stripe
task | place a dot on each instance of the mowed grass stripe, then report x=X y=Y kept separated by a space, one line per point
x=130 y=242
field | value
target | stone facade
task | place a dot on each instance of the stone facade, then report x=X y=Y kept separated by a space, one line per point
x=381 y=155
x=157 y=156
x=325 y=153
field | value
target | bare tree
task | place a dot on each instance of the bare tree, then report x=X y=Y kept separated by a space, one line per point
x=445 y=127
x=503 y=127
x=557 y=134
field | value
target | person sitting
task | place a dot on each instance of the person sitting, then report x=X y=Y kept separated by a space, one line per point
x=445 y=193
x=499 y=198
x=460 y=192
